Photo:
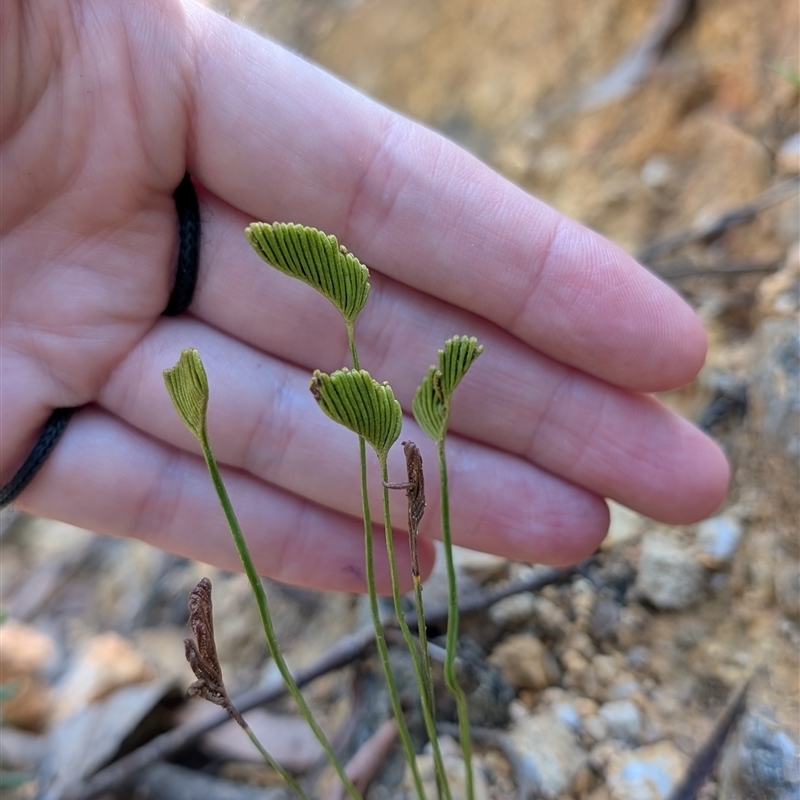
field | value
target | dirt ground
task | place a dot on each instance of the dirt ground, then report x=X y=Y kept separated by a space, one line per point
x=701 y=123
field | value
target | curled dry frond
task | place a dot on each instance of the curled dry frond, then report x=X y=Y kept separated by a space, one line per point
x=316 y=259
x=202 y=652
x=431 y=405
x=415 y=492
x=354 y=399
x=187 y=385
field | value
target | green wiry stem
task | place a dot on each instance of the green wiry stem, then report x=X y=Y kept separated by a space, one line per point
x=380 y=639
x=290 y=780
x=351 y=341
x=423 y=640
x=423 y=678
x=266 y=618
x=452 y=626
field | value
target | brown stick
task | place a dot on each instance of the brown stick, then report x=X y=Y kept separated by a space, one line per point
x=706 y=757
x=734 y=216
x=683 y=268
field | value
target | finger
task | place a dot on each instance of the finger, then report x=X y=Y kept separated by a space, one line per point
x=611 y=441
x=282 y=140
x=263 y=419
x=106 y=476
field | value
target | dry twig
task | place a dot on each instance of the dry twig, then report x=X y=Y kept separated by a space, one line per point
x=684 y=268
x=734 y=216
x=706 y=757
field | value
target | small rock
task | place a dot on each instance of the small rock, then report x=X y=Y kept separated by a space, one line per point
x=549 y=618
x=583 y=598
x=525 y=662
x=606 y=668
x=656 y=171
x=649 y=773
x=624 y=686
x=605 y=619
x=637 y=657
x=583 y=643
x=669 y=576
x=718 y=539
x=788 y=158
x=624 y=525
x=107 y=663
x=481 y=567
x=761 y=762
x=623 y=720
x=575 y=665
x=634 y=626
x=596 y=728
x=514 y=611
x=550 y=753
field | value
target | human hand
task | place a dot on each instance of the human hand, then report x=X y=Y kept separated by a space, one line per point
x=104 y=106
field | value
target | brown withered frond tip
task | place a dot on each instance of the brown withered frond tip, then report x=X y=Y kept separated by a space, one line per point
x=201 y=653
x=415 y=492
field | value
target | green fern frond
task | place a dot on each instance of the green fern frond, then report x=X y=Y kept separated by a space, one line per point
x=187 y=385
x=354 y=399
x=429 y=407
x=431 y=404
x=454 y=361
x=316 y=259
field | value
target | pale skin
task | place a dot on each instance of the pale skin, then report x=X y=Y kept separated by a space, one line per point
x=105 y=105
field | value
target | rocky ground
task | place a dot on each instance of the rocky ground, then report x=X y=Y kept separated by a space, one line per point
x=606 y=684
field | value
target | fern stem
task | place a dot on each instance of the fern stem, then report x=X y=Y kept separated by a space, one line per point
x=290 y=780
x=266 y=618
x=422 y=634
x=423 y=680
x=351 y=341
x=452 y=625
x=380 y=638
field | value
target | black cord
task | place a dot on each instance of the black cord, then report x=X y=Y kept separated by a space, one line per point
x=53 y=429
x=188 y=248
x=179 y=300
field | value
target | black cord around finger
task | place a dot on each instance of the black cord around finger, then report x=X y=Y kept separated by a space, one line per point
x=180 y=299
x=188 y=209
x=48 y=439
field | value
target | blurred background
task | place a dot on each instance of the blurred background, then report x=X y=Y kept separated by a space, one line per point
x=670 y=126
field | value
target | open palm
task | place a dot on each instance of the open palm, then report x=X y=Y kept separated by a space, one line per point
x=105 y=105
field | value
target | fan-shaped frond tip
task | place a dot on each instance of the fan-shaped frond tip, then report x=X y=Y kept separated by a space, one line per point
x=431 y=405
x=316 y=259
x=428 y=405
x=457 y=357
x=354 y=399
x=187 y=385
